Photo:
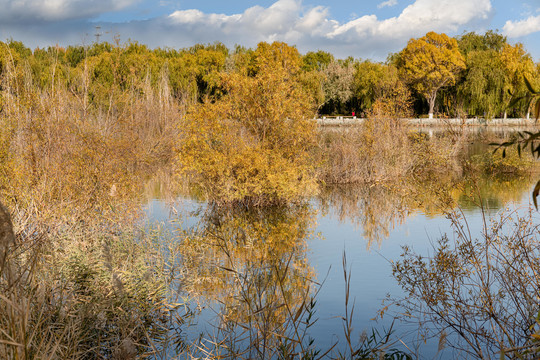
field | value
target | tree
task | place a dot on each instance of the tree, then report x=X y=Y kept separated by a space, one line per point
x=373 y=81
x=481 y=88
x=431 y=63
x=472 y=41
x=338 y=83
x=517 y=65
x=316 y=60
x=251 y=145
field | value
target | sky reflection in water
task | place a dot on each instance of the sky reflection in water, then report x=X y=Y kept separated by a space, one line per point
x=369 y=224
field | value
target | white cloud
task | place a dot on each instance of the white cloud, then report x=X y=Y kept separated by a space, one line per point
x=514 y=29
x=57 y=10
x=387 y=3
x=420 y=17
x=310 y=28
x=255 y=21
x=287 y=20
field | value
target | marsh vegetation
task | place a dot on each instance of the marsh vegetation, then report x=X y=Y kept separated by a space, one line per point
x=87 y=133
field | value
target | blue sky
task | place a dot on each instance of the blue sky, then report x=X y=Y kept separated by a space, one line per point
x=361 y=28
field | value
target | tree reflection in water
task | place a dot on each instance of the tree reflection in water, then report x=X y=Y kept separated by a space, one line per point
x=378 y=208
x=253 y=263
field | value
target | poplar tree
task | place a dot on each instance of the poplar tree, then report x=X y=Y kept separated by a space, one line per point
x=431 y=63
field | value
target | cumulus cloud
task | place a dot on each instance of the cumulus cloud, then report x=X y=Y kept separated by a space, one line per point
x=310 y=28
x=420 y=17
x=57 y=10
x=514 y=29
x=388 y=3
x=287 y=20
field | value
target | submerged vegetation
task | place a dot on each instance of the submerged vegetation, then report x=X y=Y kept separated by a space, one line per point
x=83 y=130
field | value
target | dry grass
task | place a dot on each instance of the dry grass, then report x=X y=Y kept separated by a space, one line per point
x=378 y=150
x=80 y=280
x=383 y=150
x=83 y=293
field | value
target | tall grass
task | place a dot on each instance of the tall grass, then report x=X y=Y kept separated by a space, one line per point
x=383 y=149
x=81 y=294
x=78 y=279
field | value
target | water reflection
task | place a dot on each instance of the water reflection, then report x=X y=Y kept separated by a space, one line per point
x=377 y=209
x=493 y=193
x=253 y=266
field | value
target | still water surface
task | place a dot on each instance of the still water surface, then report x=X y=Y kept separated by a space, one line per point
x=370 y=224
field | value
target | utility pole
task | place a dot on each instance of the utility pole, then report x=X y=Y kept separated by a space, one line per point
x=98 y=33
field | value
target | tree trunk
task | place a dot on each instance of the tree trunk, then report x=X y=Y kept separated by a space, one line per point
x=431 y=101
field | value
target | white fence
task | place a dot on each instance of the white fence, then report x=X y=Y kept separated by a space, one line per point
x=353 y=120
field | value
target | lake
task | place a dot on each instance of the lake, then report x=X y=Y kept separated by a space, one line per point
x=238 y=265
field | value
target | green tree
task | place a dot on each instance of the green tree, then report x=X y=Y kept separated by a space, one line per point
x=373 y=81
x=481 y=89
x=472 y=41
x=431 y=63
x=316 y=60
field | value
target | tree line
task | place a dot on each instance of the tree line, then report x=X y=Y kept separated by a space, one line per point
x=469 y=75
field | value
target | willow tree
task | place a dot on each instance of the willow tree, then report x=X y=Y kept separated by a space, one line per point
x=430 y=63
x=373 y=81
x=251 y=145
x=481 y=88
x=517 y=65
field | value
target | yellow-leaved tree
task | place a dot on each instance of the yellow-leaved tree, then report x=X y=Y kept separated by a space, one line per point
x=517 y=66
x=431 y=63
x=252 y=144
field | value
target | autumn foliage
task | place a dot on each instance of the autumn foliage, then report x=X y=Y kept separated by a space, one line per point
x=252 y=144
x=83 y=128
x=431 y=63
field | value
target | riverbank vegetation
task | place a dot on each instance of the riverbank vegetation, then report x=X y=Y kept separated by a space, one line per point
x=84 y=129
x=477 y=295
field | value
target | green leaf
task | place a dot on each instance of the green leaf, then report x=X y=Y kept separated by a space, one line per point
x=536 y=151
x=537 y=109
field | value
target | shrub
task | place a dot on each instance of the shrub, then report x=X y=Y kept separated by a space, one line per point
x=479 y=295
x=252 y=145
